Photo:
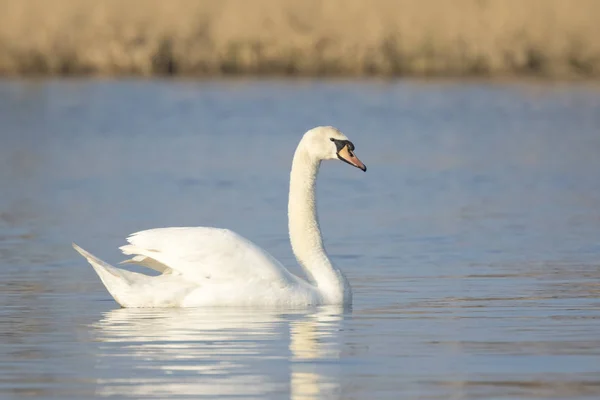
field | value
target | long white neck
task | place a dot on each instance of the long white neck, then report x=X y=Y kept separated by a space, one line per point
x=305 y=235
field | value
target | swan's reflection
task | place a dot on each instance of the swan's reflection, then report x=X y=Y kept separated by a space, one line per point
x=315 y=337
x=225 y=352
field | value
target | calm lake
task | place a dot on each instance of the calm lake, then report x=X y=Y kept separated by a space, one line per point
x=472 y=242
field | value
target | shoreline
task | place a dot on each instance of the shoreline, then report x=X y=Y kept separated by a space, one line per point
x=591 y=83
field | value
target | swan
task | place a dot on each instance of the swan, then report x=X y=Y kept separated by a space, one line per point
x=207 y=267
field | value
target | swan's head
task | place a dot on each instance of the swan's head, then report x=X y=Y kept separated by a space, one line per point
x=328 y=143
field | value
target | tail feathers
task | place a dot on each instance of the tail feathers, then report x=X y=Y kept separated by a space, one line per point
x=118 y=282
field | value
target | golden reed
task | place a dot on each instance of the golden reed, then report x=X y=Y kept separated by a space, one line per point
x=548 y=38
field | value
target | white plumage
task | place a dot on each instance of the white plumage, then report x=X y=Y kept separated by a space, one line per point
x=203 y=266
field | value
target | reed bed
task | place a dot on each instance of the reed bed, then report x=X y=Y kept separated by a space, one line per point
x=546 y=38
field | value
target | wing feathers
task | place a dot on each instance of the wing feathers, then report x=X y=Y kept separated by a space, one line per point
x=201 y=252
x=146 y=262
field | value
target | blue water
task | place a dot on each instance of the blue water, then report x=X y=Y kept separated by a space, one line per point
x=472 y=242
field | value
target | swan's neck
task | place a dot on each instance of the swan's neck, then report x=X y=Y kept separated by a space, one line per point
x=305 y=234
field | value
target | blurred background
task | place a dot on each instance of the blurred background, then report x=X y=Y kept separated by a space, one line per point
x=542 y=38
x=472 y=242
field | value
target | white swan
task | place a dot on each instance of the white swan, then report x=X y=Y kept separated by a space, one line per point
x=203 y=266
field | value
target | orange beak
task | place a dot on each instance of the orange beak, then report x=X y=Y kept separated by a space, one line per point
x=347 y=155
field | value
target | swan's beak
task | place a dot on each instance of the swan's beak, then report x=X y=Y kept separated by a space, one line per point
x=347 y=155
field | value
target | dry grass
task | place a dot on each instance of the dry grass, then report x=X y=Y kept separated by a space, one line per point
x=550 y=38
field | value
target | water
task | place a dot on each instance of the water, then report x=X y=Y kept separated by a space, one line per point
x=472 y=242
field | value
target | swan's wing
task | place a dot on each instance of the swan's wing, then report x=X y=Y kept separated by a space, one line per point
x=201 y=254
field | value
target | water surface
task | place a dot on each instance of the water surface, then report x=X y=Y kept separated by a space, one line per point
x=472 y=242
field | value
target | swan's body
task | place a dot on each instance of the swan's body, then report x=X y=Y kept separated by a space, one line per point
x=201 y=266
